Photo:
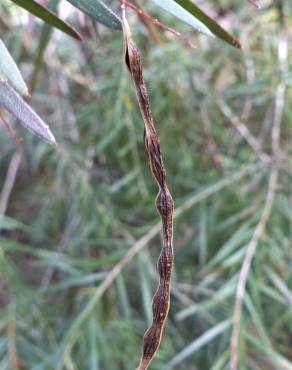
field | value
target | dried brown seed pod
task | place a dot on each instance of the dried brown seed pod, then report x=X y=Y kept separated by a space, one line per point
x=164 y=203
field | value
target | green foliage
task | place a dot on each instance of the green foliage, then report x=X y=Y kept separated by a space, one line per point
x=190 y=13
x=209 y=22
x=9 y=70
x=75 y=212
x=178 y=11
x=96 y=9
x=99 y=11
x=11 y=101
x=185 y=10
x=43 y=13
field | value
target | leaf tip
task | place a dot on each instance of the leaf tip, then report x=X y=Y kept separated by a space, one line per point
x=77 y=36
x=26 y=93
x=51 y=138
x=236 y=43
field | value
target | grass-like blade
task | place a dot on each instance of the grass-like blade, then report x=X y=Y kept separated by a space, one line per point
x=11 y=101
x=99 y=11
x=179 y=12
x=44 y=39
x=10 y=71
x=46 y=15
x=209 y=22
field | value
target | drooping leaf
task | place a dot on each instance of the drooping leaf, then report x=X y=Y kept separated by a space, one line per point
x=99 y=11
x=46 y=15
x=213 y=26
x=14 y=104
x=178 y=11
x=10 y=71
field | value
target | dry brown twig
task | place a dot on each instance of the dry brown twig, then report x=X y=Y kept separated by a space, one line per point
x=10 y=129
x=267 y=210
x=254 y=3
x=4 y=199
x=14 y=361
x=164 y=202
x=10 y=180
x=156 y=22
x=12 y=169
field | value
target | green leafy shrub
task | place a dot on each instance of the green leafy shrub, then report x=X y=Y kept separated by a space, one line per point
x=72 y=293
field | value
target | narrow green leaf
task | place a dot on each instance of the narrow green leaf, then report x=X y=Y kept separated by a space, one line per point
x=44 y=40
x=239 y=238
x=145 y=288
x=199 y=342
x=124 y=297
x=7 y=223
x=213 y=26
x=221 y=296
x=99 y=11
x=179 y=12
x=10 y=71
x=14 y=104
x=46 y=15
x=222 y=361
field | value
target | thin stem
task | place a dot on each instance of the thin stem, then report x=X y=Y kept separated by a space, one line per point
x=155 y=21
x=267 y=210
x=10 y=180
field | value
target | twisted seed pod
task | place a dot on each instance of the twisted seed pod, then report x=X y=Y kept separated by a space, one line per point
x=164 y=203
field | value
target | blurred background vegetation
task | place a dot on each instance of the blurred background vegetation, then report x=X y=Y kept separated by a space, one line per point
x=79 y=234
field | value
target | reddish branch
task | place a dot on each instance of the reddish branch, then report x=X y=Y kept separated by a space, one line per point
x=155 y=21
